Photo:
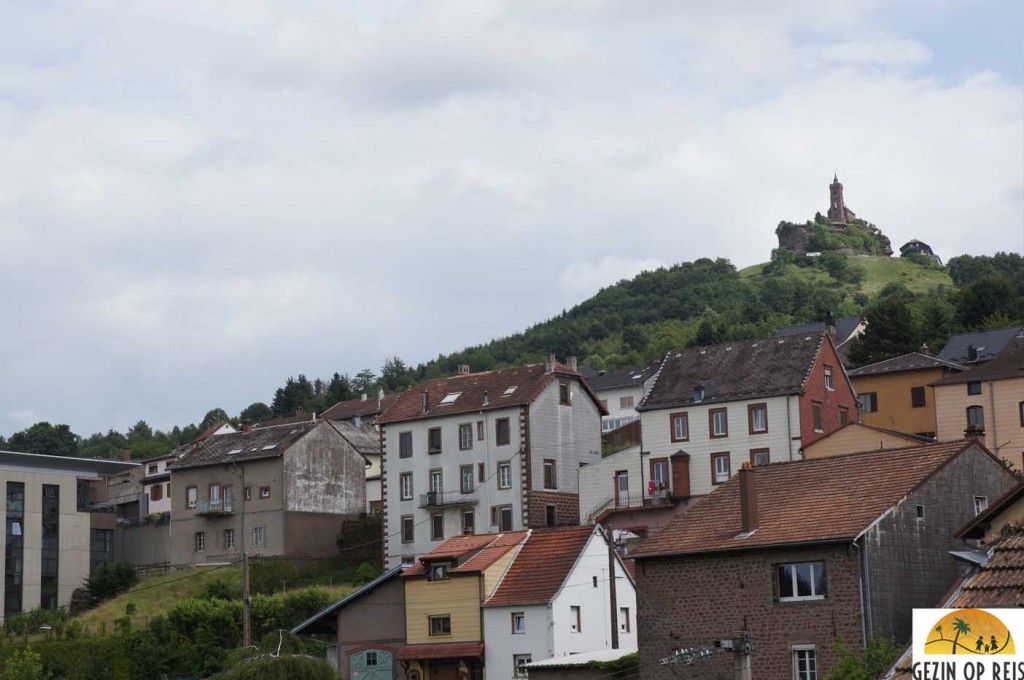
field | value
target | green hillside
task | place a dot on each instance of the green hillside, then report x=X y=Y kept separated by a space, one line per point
x=879 y=271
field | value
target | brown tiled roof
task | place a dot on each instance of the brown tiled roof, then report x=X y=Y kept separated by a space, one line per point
x=287 y=420
x=734 y=370
x=915 y=361
x=466 y=550
x=347 y=410
x=528 y=381
x=269 y=442
x=979 y=523
x=542 y=566
x=812 y=501
x=1009 y=364
x=451 y=650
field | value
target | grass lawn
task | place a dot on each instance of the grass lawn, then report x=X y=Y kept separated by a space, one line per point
x=878 y=272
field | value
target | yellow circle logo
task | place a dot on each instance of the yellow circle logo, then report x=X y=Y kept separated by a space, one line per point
x=969 y=631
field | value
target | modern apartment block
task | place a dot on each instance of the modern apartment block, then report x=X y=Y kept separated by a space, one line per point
x=481 y=452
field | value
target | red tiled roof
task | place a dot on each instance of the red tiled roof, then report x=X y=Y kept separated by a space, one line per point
x=542 y=566
x=347 y=410
x=474 y=552
x=453 y=650
x=528 y=381
x=811 y=501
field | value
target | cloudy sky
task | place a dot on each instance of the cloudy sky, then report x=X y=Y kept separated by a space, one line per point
x=199 y=199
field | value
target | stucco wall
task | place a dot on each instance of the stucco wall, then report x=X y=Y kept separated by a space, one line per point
x=855 y=438
x=143 y=543
x=1004 y=432
x=895 y=406
x=324 y=474
x=569 y=434
x=597 y=480
x=503 y=645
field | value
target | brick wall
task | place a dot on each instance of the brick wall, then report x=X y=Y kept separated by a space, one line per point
x=567 y=508
x=689 y=600
x=830 y=400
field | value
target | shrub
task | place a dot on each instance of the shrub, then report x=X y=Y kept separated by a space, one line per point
x=366 y=573
x=281 y=668
x=110 y=580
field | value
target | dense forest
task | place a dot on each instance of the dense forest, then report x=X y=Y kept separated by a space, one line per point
x=909 y=302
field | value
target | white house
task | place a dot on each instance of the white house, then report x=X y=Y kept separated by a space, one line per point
x=620 y=392
x=566 y=592
x=156 y=484
x=712 y=409
x=480 y=452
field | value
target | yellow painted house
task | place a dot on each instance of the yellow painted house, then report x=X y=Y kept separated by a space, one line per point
x=443 y=594
x=989 y=396
x=856 y=437
x=896 y=394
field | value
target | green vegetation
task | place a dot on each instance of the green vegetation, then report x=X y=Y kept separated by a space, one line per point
x=820 y=235
x=110 y=580
x=869 y=663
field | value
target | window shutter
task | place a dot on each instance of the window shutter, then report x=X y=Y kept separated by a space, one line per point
x=824 y=577
x=775 y=583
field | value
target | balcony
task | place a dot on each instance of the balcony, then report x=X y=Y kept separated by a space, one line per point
x=440 y=499
x=217 y=508
x=629 y=502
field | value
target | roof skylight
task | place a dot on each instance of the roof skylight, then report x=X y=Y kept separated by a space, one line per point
x=268 y=447
x=234 y=451
x=510 y=390
x=449 y=398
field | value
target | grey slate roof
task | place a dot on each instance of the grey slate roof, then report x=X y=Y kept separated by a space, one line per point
x=623 y=377
x=264 y=442
x=1009 y=364
x=845 y=327
x=363 y=438
x=354 y=595
x=734 y=370
x=908 y=362
x=987 y=343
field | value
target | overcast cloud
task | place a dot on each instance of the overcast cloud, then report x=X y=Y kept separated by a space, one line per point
x=199 y=199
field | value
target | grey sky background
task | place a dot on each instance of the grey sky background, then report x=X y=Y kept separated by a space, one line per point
x=199 y=199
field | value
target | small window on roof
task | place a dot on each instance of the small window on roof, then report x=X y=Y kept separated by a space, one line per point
x=449 y=398
x=269 y=446
x=234 y=451
x=510 y=390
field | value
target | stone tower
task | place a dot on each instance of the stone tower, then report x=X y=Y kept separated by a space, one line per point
x=837 y=210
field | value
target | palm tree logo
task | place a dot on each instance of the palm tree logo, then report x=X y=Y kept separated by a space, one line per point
x=960 y=626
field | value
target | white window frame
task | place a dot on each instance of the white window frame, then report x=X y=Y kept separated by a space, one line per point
x=466 y=437
x=763 y=410
x=680 y=422
x=980 y=504
x=724 y=415
x=810 y=652
x=405 y=486
x=801 y=598
x=437 y=481
x=519 y=623
x=229 y=539
x=830 y=383
x=192 y=496
x=519 y=663
x=200 y=544
x=720 y=476
x=505 y=475
x=259 y=537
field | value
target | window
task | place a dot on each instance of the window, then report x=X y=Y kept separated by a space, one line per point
x=625 y=402
x=805 y=663
x=719 y=468
x=501 y=517
x=519 y=663
x=624 y=619
x=259 y=537
x=405 y=486
x=816 y=416
x=980 y=503
x=465 y=436
x=868 y=402
x=481 y=473
x=550 y=515
x=564 y=394
x=518 y=623
x=659 y=473
x=595 y=580
x=468 y=522
x=757 y=418
x=371 y=659
x=466 y=479
x=438 y=572
x=407 y=529
x=191 y=496
x=680 y=427
x=974 y=387
x=801 y=581
x=200 y=541
x=575 y=620
x=550 y=474
x=437 y=527
x=229 y=539
x=917 y=397
x=718 y=424
x=505 y=475
x=760 y=456
x=1020 y=409
x=449 y=398
x=436 y=481
x=440 y=625
x=434 y=440
x=829 y=382
x=214 y=490
x=152 y=469
x=264 y=492
x=502 y=432
x=844 y=415
x=405 y=444
x=976 y=416
x=156 y=492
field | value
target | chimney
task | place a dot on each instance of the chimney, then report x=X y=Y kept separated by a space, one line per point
x=357 y=421
x=748 y=498
x=246 y=426
x=362 y=397
x=549 y=367
x=463 y=369
x=380 y=394
x=126 y=455
x=975 y=433
x=972 y=352
x=426 y=401
x=924 y=349
x=830 y=325
x=300 y=410
x=486 y=398
x=572 y=361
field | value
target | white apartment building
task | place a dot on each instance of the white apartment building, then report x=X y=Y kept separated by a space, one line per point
x=481 y=452
x=620 y=392
x=156 y=485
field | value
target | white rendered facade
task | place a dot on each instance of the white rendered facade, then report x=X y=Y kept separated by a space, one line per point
x=620 y=474
x=156 y=485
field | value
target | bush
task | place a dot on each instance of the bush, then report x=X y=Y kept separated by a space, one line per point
x=366 y=573
x=281 y=668
x=110 y=580
x=24 y=664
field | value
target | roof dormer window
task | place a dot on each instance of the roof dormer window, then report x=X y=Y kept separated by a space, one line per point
x=449 y=398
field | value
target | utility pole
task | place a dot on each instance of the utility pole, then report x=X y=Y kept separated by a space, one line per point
x=246 y=626
x=612 y=597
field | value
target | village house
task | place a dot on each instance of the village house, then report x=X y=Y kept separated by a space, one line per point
x=269 y=491
x=480 y=452
x=711 y=409
x=896 y=394
x=566 y=592
x=801 y=555
x=52 y=536
x=988 y=398
x=977 y=347
x=860 y=437
x=620 y=392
